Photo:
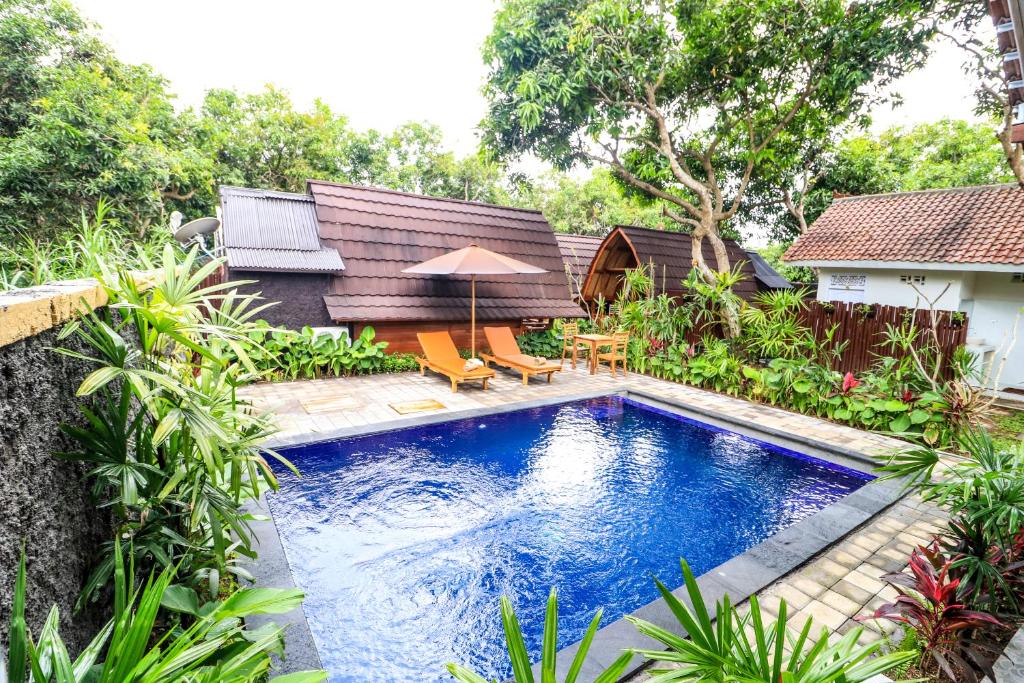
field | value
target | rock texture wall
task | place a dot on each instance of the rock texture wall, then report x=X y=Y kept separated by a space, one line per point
x=44 y=501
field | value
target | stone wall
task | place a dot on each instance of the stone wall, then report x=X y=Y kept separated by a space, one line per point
x=44 y=501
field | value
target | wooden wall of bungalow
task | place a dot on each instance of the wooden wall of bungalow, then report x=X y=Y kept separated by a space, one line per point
x=401 y=335
x=669 y=256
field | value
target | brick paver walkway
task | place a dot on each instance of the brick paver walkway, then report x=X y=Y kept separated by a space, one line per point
x=834 y=587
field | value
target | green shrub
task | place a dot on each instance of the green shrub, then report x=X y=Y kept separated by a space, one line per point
x=213 y=647
x=27 y=262
x=546 y=343
x=307 y=354
x=399 y=362
x=777 y=360
x=982 y=488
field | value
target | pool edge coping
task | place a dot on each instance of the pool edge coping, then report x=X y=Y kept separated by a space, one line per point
x=740 y=577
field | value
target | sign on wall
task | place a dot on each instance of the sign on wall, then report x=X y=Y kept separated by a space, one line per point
x=847 y=287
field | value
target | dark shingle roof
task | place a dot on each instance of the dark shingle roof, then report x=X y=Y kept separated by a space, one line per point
x=381 y=232
x=980 y=225
x=765 y=274
x=577 y=252
x=672 y=256
x=264 y=230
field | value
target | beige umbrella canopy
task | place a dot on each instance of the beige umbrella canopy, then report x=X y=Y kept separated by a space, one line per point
x=473 y=261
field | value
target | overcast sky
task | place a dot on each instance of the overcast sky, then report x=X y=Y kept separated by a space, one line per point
x=380 y=62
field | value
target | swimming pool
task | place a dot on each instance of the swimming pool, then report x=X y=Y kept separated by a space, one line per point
x=404 y=540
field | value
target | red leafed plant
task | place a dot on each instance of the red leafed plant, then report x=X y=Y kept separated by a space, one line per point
x=950 y=634
x=850 y=382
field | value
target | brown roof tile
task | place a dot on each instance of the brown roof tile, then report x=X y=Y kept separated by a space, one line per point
x=577 y=252
x=381 y=232
x=962 y=225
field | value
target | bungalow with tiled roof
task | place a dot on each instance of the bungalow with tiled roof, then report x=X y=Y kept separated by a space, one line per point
x=665 y=247
x=668 y=255
x=963 y=248
x=334 y=258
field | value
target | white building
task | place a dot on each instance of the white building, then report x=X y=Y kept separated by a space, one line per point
x=961 y=248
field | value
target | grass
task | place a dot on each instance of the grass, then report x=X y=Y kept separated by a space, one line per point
x=1008 y=428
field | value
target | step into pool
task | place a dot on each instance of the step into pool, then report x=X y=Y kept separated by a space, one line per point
x=405 y=540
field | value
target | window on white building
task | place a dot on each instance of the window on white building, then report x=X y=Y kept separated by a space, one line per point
x=847 y=287
x=912 y=279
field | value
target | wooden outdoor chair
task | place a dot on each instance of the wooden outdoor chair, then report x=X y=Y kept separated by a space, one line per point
x=617 y=354
x=570 y=346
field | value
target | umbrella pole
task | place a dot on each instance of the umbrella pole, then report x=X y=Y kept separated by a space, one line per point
x=472 y=316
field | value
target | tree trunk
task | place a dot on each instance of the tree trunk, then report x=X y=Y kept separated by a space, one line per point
x=1013 y=152
x=729 y=312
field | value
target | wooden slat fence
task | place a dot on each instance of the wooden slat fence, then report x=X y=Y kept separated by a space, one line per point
x=864 y=326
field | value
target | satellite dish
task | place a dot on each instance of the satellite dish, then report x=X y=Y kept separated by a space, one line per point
x=200 y=226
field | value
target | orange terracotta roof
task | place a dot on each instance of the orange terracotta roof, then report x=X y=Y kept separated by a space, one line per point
x=968 y=225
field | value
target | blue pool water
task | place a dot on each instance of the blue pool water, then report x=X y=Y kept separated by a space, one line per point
x=404 y=541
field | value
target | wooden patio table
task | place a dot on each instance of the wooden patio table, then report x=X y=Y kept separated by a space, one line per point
x=594 y=341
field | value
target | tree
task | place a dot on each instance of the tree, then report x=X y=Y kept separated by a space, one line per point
x=77 y=125
x=947 y=153
x=591 y=206
x=37 y=36
x=262 y=140
x=419 y=163
x=958 y=22
x=687 y=100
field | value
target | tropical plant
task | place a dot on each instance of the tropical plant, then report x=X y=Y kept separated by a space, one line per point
x=776 y=360
x=744 y=648
x=711 y=300
x=982 y=487
x=716 y=368
x=309 y=354
x=546 y=343
x=772 y=327
x=131 y=648
x=174 y=452
x=947 y=631
x=520 y=658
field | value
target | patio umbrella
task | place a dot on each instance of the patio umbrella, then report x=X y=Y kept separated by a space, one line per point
x=473 y=261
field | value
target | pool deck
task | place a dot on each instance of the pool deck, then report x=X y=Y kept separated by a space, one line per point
x=826 y=567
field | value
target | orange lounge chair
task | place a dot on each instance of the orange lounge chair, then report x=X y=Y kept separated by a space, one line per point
x=505 y=352
x=441 y=356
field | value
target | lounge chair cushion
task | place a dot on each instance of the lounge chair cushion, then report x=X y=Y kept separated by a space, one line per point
x=525 y=361
x=458 y=369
